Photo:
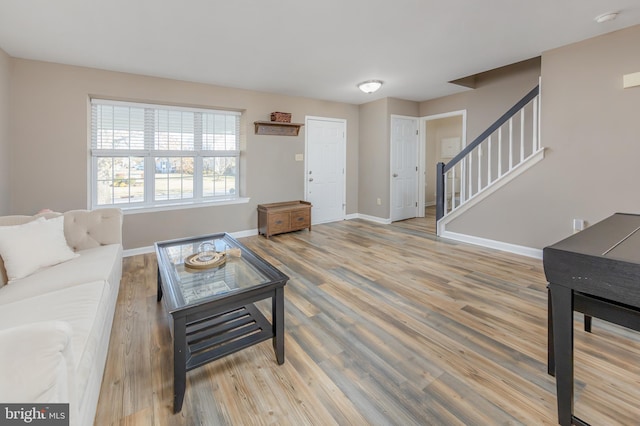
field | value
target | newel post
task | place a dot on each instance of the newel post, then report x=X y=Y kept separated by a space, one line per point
x=440 y=191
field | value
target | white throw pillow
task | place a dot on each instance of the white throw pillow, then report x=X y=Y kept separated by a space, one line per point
x=28 y=247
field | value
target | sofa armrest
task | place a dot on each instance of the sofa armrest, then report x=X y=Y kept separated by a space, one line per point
x=86 y=229
x=36 y=364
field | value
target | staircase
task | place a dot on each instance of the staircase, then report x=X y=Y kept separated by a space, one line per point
x=502 y=152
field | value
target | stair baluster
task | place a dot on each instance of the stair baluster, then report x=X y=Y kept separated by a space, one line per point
x=488 y=164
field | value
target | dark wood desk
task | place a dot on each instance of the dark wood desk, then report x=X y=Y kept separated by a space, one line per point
x=596 y=272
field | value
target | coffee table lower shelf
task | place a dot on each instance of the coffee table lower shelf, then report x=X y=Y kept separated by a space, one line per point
x=207 y=334
x=224 y=334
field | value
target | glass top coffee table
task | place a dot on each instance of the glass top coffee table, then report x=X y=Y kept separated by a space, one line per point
x=212 y=310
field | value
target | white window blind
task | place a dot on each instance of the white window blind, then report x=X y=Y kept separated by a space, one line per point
x=151 y=155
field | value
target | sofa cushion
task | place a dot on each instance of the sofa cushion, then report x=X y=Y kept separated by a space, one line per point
x=84 y=307
x=96 y=264
x=85 y=229
x=28 y=247
x=36 y=363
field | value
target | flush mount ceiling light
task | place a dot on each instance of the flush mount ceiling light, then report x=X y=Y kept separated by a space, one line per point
x=609 y=16
x=370 y=86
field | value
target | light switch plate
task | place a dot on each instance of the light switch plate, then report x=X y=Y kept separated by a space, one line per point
x=299 y=157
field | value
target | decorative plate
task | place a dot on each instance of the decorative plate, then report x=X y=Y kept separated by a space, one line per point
x=197 y=261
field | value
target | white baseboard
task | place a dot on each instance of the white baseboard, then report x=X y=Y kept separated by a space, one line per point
x=498 y=245
x=484 y=242
x=371 y=218
x=137 y=251
x=242 y=234
x=151 y=249
x=430 y=203
x=470 y=239
x=532 y=160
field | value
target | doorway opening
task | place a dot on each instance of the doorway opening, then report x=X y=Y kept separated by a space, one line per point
x=443 y=137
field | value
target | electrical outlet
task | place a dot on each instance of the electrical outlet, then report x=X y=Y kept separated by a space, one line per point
x=299 y=157
x=379 y=202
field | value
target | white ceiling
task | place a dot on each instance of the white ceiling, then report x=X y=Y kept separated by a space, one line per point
x=318 y=49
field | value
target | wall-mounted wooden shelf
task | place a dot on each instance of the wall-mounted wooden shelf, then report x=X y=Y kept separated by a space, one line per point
x=276 y=128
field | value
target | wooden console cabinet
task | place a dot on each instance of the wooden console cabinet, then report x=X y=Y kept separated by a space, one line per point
x=276 y=218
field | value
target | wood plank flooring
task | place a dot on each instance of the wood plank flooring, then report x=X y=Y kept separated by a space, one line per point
x=385 y=325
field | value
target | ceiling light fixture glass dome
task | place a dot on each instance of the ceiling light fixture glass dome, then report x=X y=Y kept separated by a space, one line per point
x=370 y=86
x=605 y=17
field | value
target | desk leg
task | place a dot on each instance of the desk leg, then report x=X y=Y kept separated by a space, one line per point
x=277 y=316
x=179 y=362
x=562 y=310
x=159 y=294
x=551 y=361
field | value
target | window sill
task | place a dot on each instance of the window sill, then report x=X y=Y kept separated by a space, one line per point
x=182 y=206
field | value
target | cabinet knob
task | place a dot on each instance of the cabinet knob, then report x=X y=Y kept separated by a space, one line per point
x=395 y=175
x=310 y=179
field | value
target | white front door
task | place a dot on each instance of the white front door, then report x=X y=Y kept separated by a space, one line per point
x=404 y=167
x=324 y=169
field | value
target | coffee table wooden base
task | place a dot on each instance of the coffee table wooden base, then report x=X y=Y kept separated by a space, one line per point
x=212 y=332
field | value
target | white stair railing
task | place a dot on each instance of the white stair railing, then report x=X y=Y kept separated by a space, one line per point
x=509 y=142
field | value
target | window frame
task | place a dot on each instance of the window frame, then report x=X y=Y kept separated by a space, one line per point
x=150 y=154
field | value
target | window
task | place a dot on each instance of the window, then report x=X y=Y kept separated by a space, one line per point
x=151 y=155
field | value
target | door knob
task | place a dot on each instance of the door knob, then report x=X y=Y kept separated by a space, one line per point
x=310 y=179
x=395 y=175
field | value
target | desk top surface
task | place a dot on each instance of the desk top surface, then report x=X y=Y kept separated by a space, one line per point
x=603 y=260
x=616 y=237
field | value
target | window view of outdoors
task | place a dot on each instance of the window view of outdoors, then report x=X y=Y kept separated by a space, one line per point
x=173 y=178
x=219 y=176
x=120 y=180
x=125 y=139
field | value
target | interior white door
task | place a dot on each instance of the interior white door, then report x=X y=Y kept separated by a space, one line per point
x=404 y=167
x=324 y=171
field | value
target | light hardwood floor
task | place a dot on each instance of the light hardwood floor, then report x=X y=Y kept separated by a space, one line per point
x=384 y=325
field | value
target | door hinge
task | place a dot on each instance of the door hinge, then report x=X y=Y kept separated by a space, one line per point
x=416 y=168
x=417 y=132
x=416 y=204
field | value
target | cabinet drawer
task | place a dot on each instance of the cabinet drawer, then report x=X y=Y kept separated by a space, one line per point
x=300 y=219
x=278 y=222
x=276 y=218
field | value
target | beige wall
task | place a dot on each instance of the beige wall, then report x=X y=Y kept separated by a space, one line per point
x=50 y=157
x=438 y=129
x=589 y=124
x=375 y=161
x=496 y=92
x=403 y=107
x=5 y=74
x=373 y=172
x=591 y=128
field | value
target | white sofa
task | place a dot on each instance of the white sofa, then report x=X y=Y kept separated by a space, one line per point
x=55 y=324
